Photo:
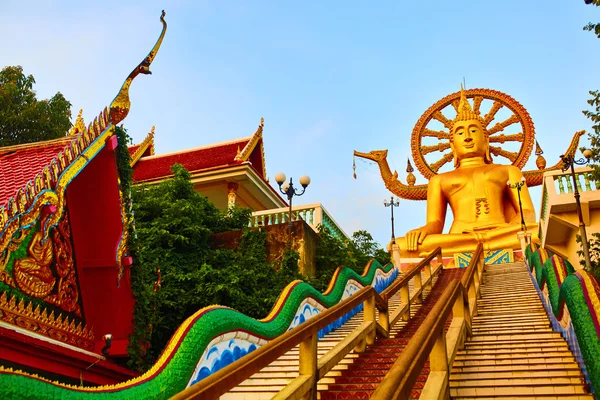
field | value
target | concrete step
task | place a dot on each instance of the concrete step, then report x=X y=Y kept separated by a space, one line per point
x=531 y=374
x=518 y=392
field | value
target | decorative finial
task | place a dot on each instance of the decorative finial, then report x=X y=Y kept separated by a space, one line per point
x=119 y=108
x=410 y=178
x=538 y=149
x=151 y=133
x=540 y=161
x=409 y=167
x=262 y=122
x=464 y=112
x=79 y=124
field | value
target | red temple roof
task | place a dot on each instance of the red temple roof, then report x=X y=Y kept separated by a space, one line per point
x=201 y=158
x=21 y=163
x=133 y=149
x=148 y=167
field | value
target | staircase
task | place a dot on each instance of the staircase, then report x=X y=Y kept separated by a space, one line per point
x=361 y=377
x=513 y=351
x=358 y=374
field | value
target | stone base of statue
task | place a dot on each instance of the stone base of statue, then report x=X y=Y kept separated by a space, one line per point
x=502 y=245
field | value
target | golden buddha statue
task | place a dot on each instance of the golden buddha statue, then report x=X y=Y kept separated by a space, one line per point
x=485 y=208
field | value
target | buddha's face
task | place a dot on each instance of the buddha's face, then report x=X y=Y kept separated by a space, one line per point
x=469 y=140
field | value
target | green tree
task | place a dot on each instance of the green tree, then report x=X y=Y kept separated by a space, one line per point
x=354 y=253
x=174 y=225
x=24 y=118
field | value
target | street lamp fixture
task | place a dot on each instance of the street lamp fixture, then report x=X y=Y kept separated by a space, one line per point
x=391 y=204
x=289 y=190
x=518 y=186
x=569 y=161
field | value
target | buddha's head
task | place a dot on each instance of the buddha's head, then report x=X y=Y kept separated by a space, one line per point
x=468 y=138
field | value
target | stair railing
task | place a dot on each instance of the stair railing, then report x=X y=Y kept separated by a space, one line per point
x=432 y=342
x=311 y=368
x=406 y=298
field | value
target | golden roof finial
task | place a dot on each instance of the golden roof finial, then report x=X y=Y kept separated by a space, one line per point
x=464 y=112
x=410 y=178
x=79 y=124
x=262 y=122
x=540 y=161
x=151 y=133
x=119 y=108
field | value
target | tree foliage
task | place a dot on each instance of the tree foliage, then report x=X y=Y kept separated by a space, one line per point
x=177 y=272
x=355 y=253
x=24 y=118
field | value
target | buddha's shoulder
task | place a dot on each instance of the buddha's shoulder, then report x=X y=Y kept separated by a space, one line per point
x=504 y=168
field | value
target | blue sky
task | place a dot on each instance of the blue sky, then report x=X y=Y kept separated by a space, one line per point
x=328 y=77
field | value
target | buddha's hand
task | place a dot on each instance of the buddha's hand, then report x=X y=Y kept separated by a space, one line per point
x=416 y=237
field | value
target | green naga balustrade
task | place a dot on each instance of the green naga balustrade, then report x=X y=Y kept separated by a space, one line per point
x=560 y=287
x=209 y=340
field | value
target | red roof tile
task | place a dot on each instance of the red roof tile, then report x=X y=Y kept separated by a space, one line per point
x=156 y=167
x=133 y=149
x=20 y=164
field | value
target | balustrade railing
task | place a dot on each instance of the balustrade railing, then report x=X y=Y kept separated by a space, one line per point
x=558 y=197
x=313 y=367
x=313 y=214
x=585 y=182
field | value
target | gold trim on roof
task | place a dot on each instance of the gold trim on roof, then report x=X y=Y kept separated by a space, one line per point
x=119 y=108
x=39 y=321
x=147 y=142
x=79 y=124
x=244 y=155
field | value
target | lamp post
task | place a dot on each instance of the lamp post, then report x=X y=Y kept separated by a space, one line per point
x=391 y=204
x=569 y=162
x=289 y=190
x=518 y=186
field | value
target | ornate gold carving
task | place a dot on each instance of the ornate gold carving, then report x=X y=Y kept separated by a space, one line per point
x=244 y=154
x=483 y=201
x=79 y=125
x=147 y=142
x=497 y=151
x=410 y=178
x=37 y=320
x=119 y=107
x=500 y=100
x=33 y=274
x=540 y=161
x=122 y=248
x=518 y=137
x=463 y=109
x=67 y=293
